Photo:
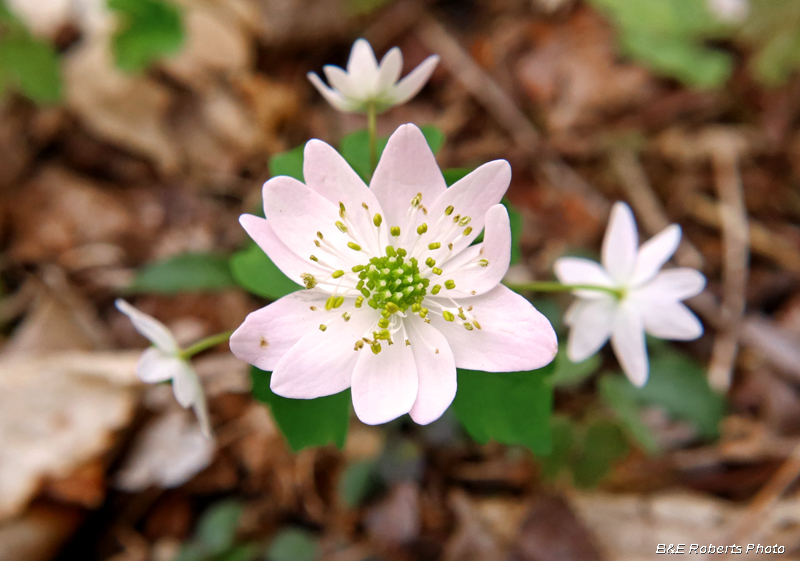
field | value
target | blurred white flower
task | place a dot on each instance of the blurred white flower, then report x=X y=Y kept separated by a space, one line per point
x=648 y=300
x=729 y=11
x=163 y=361
x=366 y=82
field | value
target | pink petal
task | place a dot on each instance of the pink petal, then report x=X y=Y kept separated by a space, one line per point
x=629 y=345
x=514 y=336
x=436 y=371
x=472 y=197
x=384 y=385
x=296 y=213
x=621 y=244
x=470 y=277
x=407 y=167
x=655 y=252
x=267 y=334
x=591 y=322
x=327 y=173
x=322 y=362
x=292 y=265
x=410 y=86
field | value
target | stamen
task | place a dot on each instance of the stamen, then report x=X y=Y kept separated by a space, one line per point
x=449 y=210
x=436 y=288
x=359 y=301
x=475 y=321
x=319 y=235
x=394 y=231
x=435 y=245
x=314 y=259
x=354 y=246
x=308 y=280
x=322 y=327
x=437 y=271
x=468 y=231
x=377 y=219
x=346 y=316
x=383 y=323
x=450 y=284
x=376 y=347
x=483 y=262
x=422 y=228
x=337 y=274
x=430 y=262
x=464 y=221
x=359 y=345
x=468 y=326
x=313 y=308
x=342 y=227
x=448 y=316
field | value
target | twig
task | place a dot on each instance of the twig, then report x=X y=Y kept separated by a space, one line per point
x=724 y=148
x=648 y=209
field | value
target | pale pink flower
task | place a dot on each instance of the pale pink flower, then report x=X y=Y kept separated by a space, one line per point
x=163 y=362
x=394 y=337
x=366 y=82
x=650 y=300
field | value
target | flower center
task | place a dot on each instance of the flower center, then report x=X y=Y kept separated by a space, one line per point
x=392 y=282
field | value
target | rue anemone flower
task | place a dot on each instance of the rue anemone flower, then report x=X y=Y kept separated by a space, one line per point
x=643 y=298
x=164 y=362
x=366 y=82
x=397 y=297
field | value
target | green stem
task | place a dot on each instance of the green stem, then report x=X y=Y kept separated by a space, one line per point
x=550 y=286
x=204 y=344
x=372 y=126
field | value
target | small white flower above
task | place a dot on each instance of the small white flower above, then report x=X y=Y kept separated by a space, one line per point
x=729 y=11
x=366 y=82
x=397 y=297
x=647 y=300
x=163 y=362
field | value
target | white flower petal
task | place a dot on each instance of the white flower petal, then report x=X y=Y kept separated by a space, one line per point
x=390 y=68
x=436 y=371
x=322 y=362
x=655 y=252
x=671 y=320
x=269 y=333
x=155 y=366
x=186 y=385
x=292 y=265
x=620 y=244
x=576 y=270
x=591 y=322
x=155 y=331
x=296 y=213
x=333 y=97
x=363 y=68
x=470 y=277
x=672 y=284
x=407 y=167
x=629 y=345
x=340 y=80
x=471 y=196
x=329 y=174
x=384 y=385
x=514 y=336
x=409 y=86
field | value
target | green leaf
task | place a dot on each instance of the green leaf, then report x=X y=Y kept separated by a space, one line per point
x=243 y=552
x=511 y=408
x=256 y=273
x=293 y=544
x=288 y=163
x=358 y=482
x=216 y=529
x=30 y=66
x=453 y=175
x=563 y=438
x=568 y=373
x=364 y=7
x=149 y=30
x=305 y=422
x=603 y=444
x=355 y=148
x=190 y=272
x=773 y=31
x=615 y=393
x=670 y=37
x=679 y=385
x=193 y=552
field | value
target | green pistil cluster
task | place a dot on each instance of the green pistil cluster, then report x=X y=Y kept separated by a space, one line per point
x=391 y=283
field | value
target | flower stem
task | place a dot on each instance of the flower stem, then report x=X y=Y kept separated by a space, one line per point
x=204 y=344
x=372 y=126
x=549 y=286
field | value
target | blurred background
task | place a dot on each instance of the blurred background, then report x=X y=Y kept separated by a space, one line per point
x=134 y=132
